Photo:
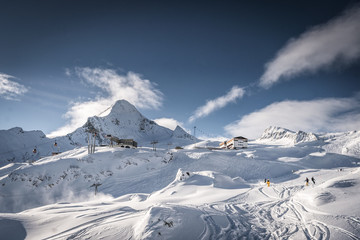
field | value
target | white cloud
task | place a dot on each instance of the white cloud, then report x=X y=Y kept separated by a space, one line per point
x=10 y=90
x=132 y=87
x=322 y=115
x=215 y=138
x=67 y=72
x=140 y=92
x=220 y=102
x=335 y=41
x=78 y=114
x=168 y=123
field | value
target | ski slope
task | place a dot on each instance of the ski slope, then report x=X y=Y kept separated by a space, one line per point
x=185 y=194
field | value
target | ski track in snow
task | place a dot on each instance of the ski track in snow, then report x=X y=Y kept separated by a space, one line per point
x=277 y=217
x=261 y=212
x=193 y=193
x=146 y=201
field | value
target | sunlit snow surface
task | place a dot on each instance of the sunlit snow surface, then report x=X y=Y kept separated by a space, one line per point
x=194 y=193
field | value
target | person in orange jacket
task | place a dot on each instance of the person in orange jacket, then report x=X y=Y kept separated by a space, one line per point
x=268 y=182
x=307 y=182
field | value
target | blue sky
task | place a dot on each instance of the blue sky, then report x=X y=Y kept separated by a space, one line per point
x=227 y=67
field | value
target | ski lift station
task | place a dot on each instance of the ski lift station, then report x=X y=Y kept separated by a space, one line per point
x=235 y=143
x=127 y=143
x=124 y=143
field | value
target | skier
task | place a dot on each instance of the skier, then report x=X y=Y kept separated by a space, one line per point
x=265 y=180
x=307 y=181
x=268 y=182
x=313 y=179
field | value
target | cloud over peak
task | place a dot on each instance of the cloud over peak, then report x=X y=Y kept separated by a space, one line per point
x=132 y=87
x=317 y=48
x=140 y=92
x=168 y=123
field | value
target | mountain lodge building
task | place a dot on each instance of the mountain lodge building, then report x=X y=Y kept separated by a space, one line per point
x=235 y=143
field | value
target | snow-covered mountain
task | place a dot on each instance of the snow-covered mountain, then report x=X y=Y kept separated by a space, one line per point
x=17 y=145
x=190 y=193
x=347 y=143
x=181 y=133
x=13 y=139
x=278 y=135
x=124 y=121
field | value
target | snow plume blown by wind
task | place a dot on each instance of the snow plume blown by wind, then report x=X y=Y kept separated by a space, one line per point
x=10 y=90
x=319 y=47
x=328 y=114
x=220 y=102
x=131 y=87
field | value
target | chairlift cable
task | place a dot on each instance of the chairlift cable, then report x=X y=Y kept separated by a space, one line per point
x=28 y=147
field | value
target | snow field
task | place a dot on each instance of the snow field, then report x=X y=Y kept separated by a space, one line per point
x=184 y=194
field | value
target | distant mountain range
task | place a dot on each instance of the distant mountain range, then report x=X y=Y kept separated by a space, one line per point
x=283 y=135
x=346 y=143
x=126 y=122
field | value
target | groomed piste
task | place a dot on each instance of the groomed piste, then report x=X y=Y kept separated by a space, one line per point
x=190 y=193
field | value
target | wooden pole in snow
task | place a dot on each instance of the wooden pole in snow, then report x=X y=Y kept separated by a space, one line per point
x=89 y=143
x=94 y=143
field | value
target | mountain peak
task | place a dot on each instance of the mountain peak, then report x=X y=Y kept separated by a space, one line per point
x=179 y=132
x=275 y=132
x=123 y=106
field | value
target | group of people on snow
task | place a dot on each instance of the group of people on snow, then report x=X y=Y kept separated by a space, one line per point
x=307 y=181
x=267 y=181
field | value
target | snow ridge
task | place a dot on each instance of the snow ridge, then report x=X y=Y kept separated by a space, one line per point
x=343 y=143
x=283 y=135
x=181 y=133
x=17 y=145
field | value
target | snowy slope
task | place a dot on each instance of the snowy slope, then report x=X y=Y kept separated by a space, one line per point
x=16 y=145
x=347 y=143
x=193 y=193
x=184 y=194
